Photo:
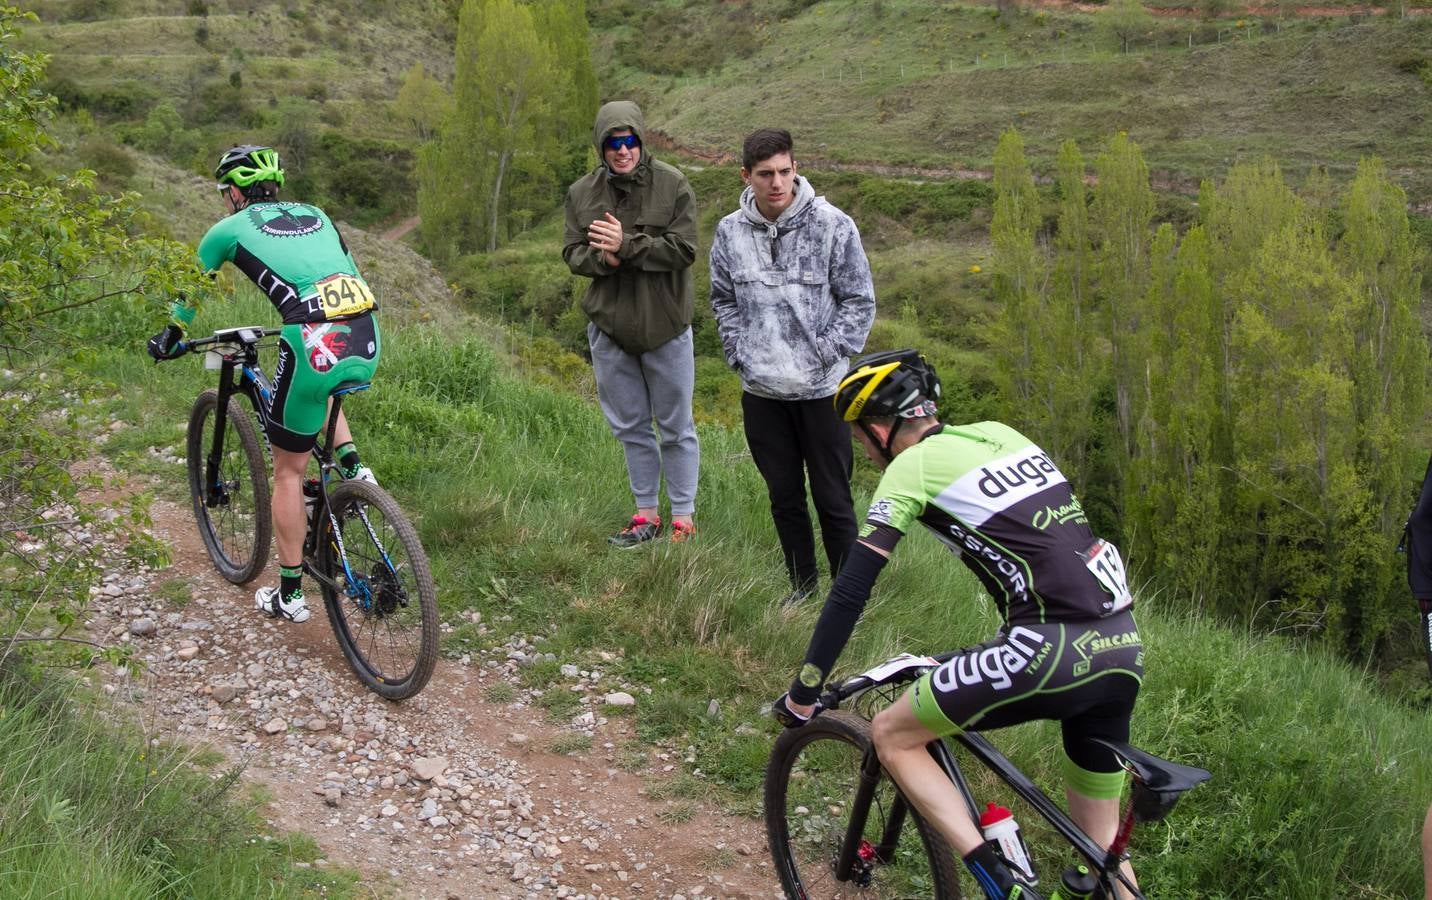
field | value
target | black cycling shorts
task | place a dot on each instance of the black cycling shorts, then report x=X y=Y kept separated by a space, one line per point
x=1085 y=675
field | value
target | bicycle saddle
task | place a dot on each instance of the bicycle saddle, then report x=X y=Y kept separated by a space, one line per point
x=1158 y=783
x=348 y=387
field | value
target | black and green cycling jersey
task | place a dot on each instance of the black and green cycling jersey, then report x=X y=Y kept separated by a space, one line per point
x=996 y=500
x=1069 y=650
x=296 y=256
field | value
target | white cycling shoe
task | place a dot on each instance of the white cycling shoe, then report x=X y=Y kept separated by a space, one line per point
x=364 y=474
x=267 y=600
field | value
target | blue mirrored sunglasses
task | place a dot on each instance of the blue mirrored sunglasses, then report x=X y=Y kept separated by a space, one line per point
x=630 y=141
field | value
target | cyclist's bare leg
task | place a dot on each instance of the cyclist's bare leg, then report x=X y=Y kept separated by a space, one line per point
x=1099 y=818
x=288 y=522
x=341 y=434
x=900 y=740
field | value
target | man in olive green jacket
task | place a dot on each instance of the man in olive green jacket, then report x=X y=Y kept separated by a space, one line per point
x=631 y=229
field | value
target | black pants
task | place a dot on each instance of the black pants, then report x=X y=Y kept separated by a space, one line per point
x=788 y=439
x=1418 y=542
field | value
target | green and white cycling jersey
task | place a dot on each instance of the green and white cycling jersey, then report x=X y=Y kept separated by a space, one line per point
x=996 y=500
x=296 y=256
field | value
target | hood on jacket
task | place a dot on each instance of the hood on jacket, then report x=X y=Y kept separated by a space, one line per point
x=805 y=196
x=616 y=115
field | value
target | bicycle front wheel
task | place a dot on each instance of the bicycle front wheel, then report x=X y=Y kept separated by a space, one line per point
x=811 y=780
x=378 y=590
x=231 y=499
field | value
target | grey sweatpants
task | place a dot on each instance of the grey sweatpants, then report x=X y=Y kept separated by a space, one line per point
x=654 y=388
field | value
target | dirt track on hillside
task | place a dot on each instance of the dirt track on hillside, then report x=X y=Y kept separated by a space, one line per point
x=507 y=815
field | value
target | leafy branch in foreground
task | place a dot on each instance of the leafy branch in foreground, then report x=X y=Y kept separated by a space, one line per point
x=63 y=246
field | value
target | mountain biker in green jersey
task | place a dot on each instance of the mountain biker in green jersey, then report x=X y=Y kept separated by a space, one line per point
x=295 y=255
x=1069 y=649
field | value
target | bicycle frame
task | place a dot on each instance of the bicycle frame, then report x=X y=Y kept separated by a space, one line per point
x=240 y=373
x=1106 y=863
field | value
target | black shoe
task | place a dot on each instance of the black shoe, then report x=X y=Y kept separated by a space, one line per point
x=998 y=879
x=797 y=596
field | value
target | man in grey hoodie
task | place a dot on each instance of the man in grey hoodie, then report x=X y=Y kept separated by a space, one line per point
x=793 y=300
x=631 y=228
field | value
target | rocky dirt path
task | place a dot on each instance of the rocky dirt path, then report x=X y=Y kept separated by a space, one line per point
x=447 y=795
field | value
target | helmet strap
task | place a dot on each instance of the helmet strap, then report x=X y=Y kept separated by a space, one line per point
x=883 y=447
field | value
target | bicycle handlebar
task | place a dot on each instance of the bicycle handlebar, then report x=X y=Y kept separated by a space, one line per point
x=226 y=336
x=835 y=694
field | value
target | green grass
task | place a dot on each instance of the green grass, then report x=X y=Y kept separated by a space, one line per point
x=500 y=692
x=572 y=744
x=89 y=809
x=515 y=487
x=906 y=82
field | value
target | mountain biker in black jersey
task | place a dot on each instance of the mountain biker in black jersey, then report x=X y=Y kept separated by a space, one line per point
x=1069 y=649
x=296 y=256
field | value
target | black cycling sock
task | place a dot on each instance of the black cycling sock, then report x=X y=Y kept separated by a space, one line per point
x=348 y=459
x=990 y=872
x=290 y=581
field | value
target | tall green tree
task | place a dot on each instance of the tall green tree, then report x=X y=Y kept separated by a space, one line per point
x=1173 y=501
x=1077 y=371
x=1120 y=215
x=565 y=24
x=422 y=103
x=1126 y=21
x=1018 y=275
x=495 y=162
x=1388 y=360
x=1295 y=434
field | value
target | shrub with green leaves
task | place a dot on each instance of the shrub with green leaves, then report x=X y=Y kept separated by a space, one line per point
x=62 y=247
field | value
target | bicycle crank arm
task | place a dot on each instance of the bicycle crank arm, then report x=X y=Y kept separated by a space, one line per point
x=310 y=570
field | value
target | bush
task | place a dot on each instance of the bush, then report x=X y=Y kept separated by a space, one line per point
x=109 y=161
x=125 y=100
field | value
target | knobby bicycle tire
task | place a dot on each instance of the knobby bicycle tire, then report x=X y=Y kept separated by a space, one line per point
x=810 y=781
x=236 y=533
x=386 y=619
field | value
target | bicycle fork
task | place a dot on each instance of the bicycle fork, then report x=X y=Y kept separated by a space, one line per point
x=215 y=491
x=857 y=855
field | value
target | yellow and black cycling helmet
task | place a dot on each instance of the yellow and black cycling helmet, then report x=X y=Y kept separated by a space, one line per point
x=894 y=384
x=249 y=165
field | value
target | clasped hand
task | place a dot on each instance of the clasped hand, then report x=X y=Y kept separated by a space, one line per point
x=605 y=234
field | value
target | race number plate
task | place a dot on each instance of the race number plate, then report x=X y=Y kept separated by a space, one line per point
x=1104 y=561
x=341 y=296
x=898 y=664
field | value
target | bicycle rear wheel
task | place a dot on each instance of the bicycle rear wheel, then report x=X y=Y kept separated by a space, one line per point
x=811 y=779
x=234 y=511
x=386 y=614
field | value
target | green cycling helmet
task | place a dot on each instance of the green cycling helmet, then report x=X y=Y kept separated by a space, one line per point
x=249 y=164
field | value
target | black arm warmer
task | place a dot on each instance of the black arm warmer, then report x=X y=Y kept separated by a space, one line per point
x=842 y=610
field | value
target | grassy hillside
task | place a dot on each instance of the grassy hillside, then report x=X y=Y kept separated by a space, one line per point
x=908 y=82
x=515 y=486
x=186 y=78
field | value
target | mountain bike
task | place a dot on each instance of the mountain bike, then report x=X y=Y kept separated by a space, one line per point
x=835 y=819
x=360 y=547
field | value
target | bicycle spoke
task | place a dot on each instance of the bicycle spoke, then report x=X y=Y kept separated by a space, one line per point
x=231 y=499
x=811 y=794
x=383 y=615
